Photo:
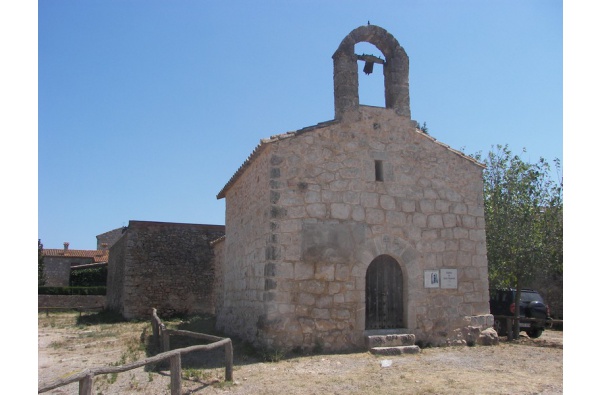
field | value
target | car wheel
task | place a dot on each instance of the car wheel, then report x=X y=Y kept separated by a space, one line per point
x=499 y=327
x=534 y=333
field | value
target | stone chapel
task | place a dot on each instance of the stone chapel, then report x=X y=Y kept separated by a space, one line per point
x=361 y=224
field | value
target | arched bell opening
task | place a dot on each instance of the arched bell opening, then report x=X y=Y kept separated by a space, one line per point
x=371 y=82
x=395 y=71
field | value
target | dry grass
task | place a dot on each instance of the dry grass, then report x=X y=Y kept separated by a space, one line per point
x=67 y=345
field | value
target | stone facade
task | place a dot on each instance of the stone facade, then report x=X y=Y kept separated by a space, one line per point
x=57 y=271
x=168 y=266
x=107 y=239
x=310 y=212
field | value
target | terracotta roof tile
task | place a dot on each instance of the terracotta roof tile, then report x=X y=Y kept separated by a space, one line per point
x=98 y=256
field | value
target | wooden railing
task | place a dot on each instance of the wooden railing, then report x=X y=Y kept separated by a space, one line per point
x=160 y=335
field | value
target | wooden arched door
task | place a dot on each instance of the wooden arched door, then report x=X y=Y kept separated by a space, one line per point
x=384 y=309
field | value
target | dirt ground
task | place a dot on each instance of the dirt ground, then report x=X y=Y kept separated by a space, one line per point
x=68 y=344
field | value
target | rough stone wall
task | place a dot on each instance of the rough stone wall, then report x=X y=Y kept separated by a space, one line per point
x=327 y=219
x=71 y=301
x=58 y=269
x=167 y=266
x=247 y=247
x=219 y=251
x=114 y=278
x=109 y=238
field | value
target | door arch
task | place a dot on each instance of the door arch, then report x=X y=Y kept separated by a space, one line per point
x=384 y=301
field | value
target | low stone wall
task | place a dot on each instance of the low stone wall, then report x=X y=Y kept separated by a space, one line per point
x=72 y=301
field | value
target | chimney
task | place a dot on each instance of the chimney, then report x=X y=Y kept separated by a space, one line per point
x=66 y=244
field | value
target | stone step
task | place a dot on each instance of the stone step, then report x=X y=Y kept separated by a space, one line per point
x=390 y=340
x=395 y=350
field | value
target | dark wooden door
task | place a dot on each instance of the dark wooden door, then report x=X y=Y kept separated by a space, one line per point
x=384 y=294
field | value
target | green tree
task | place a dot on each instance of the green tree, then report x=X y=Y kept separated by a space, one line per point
x=41 y=273
x=523 y=213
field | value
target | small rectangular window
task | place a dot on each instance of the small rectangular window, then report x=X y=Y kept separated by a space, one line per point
x=378 y=170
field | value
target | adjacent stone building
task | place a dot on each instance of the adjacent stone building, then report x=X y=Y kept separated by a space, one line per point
x=355 y=225
x=59 y=262
x=107 y=239
x=168 y=266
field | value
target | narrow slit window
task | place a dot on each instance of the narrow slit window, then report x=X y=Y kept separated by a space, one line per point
x=378 y=170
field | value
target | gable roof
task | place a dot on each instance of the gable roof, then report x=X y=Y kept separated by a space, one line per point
x=262 y=145
x=98 y=256
x=264 y=142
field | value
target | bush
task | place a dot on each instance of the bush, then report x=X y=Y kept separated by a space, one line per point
x=99 y=290
x=88 y=277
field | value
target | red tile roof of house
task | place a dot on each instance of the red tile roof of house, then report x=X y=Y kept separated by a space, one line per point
x=98 y=256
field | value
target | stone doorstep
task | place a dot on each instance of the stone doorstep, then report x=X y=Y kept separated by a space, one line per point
x=390 y=340
x=395 y=350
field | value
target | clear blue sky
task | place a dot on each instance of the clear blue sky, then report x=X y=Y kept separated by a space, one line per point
x=147 y=108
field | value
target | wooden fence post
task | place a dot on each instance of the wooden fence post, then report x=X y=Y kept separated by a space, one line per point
x=164 y=334
x=229 y=361
x=86 y=384
x=155 y=337
x=175 y=366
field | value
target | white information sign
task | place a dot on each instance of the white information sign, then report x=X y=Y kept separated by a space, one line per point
x=449 y=278
x=432 y=278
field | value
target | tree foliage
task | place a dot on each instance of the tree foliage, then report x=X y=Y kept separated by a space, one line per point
x=523 y=213
x=41 y=273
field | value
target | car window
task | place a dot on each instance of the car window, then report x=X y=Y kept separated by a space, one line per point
x=530 y=297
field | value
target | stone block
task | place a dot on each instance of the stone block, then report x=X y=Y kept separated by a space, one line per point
x=435 y=221
x=340 y=210
x=316 y=210
x=324 y=301
x=442 y=206
x=458 y=208
x=387 y=202
x=358 y=213
x=304 y=271
x=370 y=200
x=306 y=299
x=324 y=271
x=324 y=325
x=390 y=340
x=342 y=272
x=312 y=286
x=398 y=350
x=427 y=206
x=351 y=197
x=395 y=218
x=449 y=220
x=468 y=221
x=419 y=220
x=408 y=206
x=322 y=314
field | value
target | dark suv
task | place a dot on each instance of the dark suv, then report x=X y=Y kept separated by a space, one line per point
x=502 y=303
